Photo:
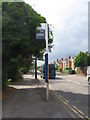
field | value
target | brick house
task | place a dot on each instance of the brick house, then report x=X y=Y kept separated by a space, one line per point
x=65 y=63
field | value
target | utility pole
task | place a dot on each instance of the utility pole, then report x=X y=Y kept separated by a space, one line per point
x=35 y=66
x=46 y=62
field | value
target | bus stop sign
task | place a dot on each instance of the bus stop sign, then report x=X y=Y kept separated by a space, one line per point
x=40 y=32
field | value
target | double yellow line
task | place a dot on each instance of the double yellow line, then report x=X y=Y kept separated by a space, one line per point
x=73 y=108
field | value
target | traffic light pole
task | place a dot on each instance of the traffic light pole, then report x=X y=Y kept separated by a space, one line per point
x=46 y=62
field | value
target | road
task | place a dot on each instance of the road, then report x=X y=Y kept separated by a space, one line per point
x=68 y=98
x=29 y=101
x=73 y=91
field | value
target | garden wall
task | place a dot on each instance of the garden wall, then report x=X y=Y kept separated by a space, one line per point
x=82 y=71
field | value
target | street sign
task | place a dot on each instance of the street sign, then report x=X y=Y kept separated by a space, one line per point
x=40 y=35
x=40 y=32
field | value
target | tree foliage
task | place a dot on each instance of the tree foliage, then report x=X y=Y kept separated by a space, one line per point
x=19 y=22
x=82 y=60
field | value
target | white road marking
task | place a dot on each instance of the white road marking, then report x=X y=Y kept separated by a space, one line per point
x=78 y=83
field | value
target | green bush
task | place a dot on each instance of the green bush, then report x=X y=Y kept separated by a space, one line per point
x=71 y=71
x=4 y=75
x=21 y=69
x=59 y=69
x=65 y=71
x=12 y=71
x=24 y=70
x=9 y=81
x=68 y=71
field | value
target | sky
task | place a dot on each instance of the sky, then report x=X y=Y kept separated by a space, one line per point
x=69 y=19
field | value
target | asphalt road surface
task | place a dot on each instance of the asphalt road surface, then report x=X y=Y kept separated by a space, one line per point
x=73 y=91
x=29 y=101
x=68 y=98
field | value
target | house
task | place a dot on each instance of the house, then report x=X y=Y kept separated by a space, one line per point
x=65 y=62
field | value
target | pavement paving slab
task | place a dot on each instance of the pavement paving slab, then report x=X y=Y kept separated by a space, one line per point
x=30 y=102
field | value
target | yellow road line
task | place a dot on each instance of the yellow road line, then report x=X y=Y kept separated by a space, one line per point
x=69 y=106
x=78 y=110
x=73 y=108
x=64 y=100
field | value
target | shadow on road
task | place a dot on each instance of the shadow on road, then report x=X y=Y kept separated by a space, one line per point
x=81 y=101
x=58 y=78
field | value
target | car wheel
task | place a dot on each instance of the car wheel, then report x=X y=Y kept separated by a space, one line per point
x=43 y=77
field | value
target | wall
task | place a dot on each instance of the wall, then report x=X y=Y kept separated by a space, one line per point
x=82 y=71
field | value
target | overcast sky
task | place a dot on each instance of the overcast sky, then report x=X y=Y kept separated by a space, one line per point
x=70 y=21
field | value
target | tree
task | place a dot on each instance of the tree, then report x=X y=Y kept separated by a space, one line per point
x=19 y=22
x=81 y=60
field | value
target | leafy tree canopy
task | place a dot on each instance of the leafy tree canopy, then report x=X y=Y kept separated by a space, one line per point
x=19 y=22
x=82 y=59
x=19 y=29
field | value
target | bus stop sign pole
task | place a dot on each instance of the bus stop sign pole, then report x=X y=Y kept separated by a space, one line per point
x=43 y=35
x=46 y=63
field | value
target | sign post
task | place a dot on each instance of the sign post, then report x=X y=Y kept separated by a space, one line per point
x=46 y=62
x=42 y=34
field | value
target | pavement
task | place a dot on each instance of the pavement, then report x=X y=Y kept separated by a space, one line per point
x=0 y=106
x=29 y=101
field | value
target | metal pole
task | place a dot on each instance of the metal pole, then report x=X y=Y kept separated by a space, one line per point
x=47 y=91
x=46 y=37
x=35 y=66
x=47 y=83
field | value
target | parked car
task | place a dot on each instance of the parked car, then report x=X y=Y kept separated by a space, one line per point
x=88 y=74
x=52 y=72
